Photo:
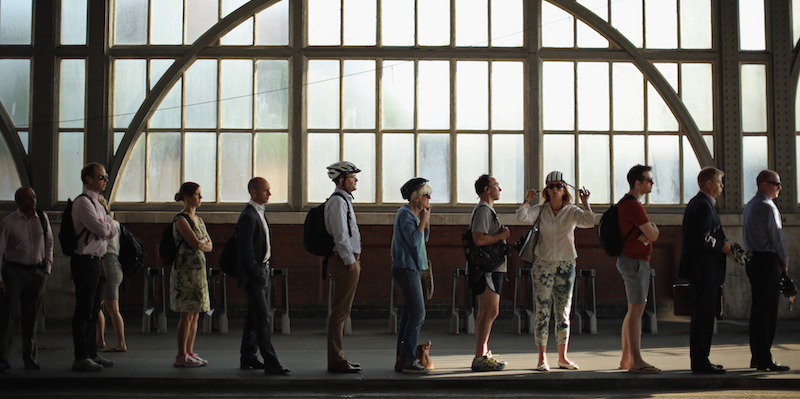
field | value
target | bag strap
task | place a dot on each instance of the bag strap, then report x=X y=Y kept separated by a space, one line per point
x=42 y=221
x=191 y=225
x=349 y=229
x=85 y=230
x=626 y=197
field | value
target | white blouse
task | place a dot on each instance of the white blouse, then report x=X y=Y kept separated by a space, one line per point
x=556 y=231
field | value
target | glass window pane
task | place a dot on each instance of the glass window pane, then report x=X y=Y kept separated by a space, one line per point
x=130 y=22
x=73 y=22
x=323 y=94
x=70 y=163
x=397 y=90
x=507 y=23
x=628 y=152
x=588 y=37
x=8 y=169
x=272 y=163
x=323 y=150
x=472 y=23
x=131 y=174
x=168 y=113
x=163 y=29
x=200 y=16
x=15 y=87
x=697 y=94
x=797 y=111
x=434 y=95
x=241 y=35
x=508 y=166
x=397 y=23
x=24 y=138
x=661 y=24
x=118 y=136
x=695 y=24
x=691 y=166
x=71 y=93
x=754 y=160
x=626 y=17
x=324 y=23
x=200 y=162
x=130 y=88
x=16 y=21
x=472 y=95
x=236 y=90
x=434 y=164
x=358 y=94
x=593 y=156
x=164 y=166
x=229 y=6
x=201 y=94
x=360 y=22
x=235 y=166
x=628 y=97
x=272 y=94
x=795 y=23
x=558 y=95
x=272 y=26
x=754 y=98
x=472 y=159
x=559 y=150
x=557 y=27
x=359 y=148
x=659 y=116
x=593 y=99
x=664 y=157
x=508 y=95
x=752 y=25
x=433 y=22
x=398 y=164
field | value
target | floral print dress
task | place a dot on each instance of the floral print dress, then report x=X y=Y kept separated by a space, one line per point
x=188 y=286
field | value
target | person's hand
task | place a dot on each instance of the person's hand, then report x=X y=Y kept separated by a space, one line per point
x=643 y=239
x=505 y=233
x=584 y=193
x=351 y=266
x=726 y=249
x=424 y=216
x=530 y=195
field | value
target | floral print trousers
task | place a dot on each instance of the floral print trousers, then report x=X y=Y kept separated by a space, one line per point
x=552 y=283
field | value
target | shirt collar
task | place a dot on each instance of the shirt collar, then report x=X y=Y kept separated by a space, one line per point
x=18 y=213
x=345 y=193
x=92 y=195
x=710 y=198
x=257 y=206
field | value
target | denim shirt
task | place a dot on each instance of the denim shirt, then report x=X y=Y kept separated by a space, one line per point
x=405 y=241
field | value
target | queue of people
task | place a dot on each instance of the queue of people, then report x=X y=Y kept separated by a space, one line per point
x=26 y=246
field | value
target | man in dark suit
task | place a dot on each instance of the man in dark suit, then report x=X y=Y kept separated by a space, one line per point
x=703 y=263
x=254 y=246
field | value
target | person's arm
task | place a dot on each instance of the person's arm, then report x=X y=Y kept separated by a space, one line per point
x=649 y=232
x=48 y=246
x=245 y=231
x=528 y=211
x=479 y=235
x=337 y=219
x=775 y=231
x=189 y=237
x=99 y=225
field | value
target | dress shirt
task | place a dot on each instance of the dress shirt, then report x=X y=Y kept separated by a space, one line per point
x=89 y=214
x=336 y=225
x=22 y=240
x=260 y=209
x=556 y=232
x=763 y=229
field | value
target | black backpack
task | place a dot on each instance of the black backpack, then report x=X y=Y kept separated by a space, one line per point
x=608 y=230
x=316 y=239
x=167 y=250
x=131 y=254
x=229 y=258
x=67 y=236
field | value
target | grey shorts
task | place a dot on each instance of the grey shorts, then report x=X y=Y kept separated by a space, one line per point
x=636 y=275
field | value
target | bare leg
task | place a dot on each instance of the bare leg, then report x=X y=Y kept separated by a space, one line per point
x=192 y=333
x=101 y=328
x=184 y=329
x=488 y=309
x=542 y=354
x=632 y=335
x=112 y=307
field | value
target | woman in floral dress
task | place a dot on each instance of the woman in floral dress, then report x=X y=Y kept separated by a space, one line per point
x=188 y=287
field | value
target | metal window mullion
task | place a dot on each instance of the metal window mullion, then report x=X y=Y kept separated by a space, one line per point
x=646 y=128
x=681 y=130
x=415 y=128
x=416 y=23
x=575 y=126
x=644 y=24
x=146 y=166
x=341 y=29
x=610 y=125
x=453 y=133
x=219 y=126
x=378 y=131
x=340 y=129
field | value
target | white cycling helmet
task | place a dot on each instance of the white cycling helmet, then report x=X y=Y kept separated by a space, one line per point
x=342 y=167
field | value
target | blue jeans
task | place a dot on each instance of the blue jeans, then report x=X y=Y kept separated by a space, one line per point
x=413 y=314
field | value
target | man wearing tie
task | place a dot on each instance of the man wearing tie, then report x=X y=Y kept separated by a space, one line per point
x=254 y=246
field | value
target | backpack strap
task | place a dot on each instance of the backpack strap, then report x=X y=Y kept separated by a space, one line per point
x=191 y=225
x=85 y=230
x=42 y=221
x=626 y=197
x=349 y=229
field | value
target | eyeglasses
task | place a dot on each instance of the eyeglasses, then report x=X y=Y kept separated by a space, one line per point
x=103 y=177
x=555 y=186
x=428 y=196
x=777 y=183
x=651 y=181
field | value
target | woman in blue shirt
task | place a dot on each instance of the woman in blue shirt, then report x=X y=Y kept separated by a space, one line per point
x=409 y=258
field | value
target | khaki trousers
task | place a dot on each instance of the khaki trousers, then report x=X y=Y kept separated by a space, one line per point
x=344 y=291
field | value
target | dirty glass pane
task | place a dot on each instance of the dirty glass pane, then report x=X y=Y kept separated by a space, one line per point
x=558 y=155
x=168 y=113
x=557 y=27
x=508 y=91
x=659 y=116
x=754 y=97
x=272 y=94
x=508 y=166
x=235 y=166
x=118 y=136
x=587 y=36
x=323 y=150
x=695 y=24
x=472 y=159
x=397 y=23
x=10 y=181
x=129 y=186
x=130 y=22
x=200 y=162
x=558 y=95
x=272 y=25
x=434 y=95
x=628 y=97
x=229 y=6
x=236 y=91
x=24 y=138
x=71 y=93
x=164 y=165
x=434 y=164
x=593 y=100
x=664 y=157
x=272 y=163
x=241 y=35
x=472 y=95
x=16 y=21
x=628 y=152
x=163 y=15
x=200 y=16
x=472 y=23
x=507 y=23
x=796 y=27
x=661 y=24
x=15 y=88
x=358 y=94
x=398 y=164
x=324 y=23
x=754 y=159
x=697 y=94
x=626 y=17
x=130 y=88
x=691 y=166
x=593 y=158
x=397 y=89
x=73 y=22
x=752 y=26
x=360 y=22
x=359 y=148
x=323 y=94
x=201 y=94
x=433 y=22
x=70 y=163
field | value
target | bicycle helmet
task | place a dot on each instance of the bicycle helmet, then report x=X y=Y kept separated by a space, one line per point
x=342 y=167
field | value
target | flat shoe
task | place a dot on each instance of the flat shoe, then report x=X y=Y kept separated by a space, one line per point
x=645 y=370
x=112 y=349
x=567 y=366
x=543 y=367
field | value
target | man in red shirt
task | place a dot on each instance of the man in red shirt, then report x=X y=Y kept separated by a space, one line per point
x=634 y=266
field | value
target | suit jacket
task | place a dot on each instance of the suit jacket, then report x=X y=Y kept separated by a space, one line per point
x=251 y=245
x=702 y=259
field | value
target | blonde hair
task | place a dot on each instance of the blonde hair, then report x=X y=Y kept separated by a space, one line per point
x=424 y=190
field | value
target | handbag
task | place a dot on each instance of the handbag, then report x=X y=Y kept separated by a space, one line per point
x=485 y=258
x=427 y=281
x=527 y=243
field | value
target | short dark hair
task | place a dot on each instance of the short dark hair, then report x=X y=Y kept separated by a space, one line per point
x=89 y=170
x=637 y=173
x=708 y=173
x=188 y=188
x=18 y=193
x=481 y=184
x=253 y=183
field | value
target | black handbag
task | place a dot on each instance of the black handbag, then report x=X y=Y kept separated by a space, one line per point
x=485 y=258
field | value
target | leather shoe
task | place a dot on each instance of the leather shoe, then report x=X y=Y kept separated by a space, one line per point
x=710 y=369
x=276 y=370
x=773 y=367
x=356 y=365
x=32 y=365
x=251 y=364
x=343 y=367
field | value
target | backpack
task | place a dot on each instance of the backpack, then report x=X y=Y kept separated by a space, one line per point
x=229 y=259
x=131 y=254
x=485 y=258
x=608 y=230
x=167 y=250
x=67 y=236
x=316 y=239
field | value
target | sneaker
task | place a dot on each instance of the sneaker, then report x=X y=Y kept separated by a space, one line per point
x=487 y=363
x=103 y=361
x=86 y=365
x=198 y=358
x=186 y=360
x=416 y=368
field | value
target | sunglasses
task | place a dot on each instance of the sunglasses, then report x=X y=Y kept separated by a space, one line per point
x=555 y=186
x=651 y=181
x=775 y=183
x=103 y=177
